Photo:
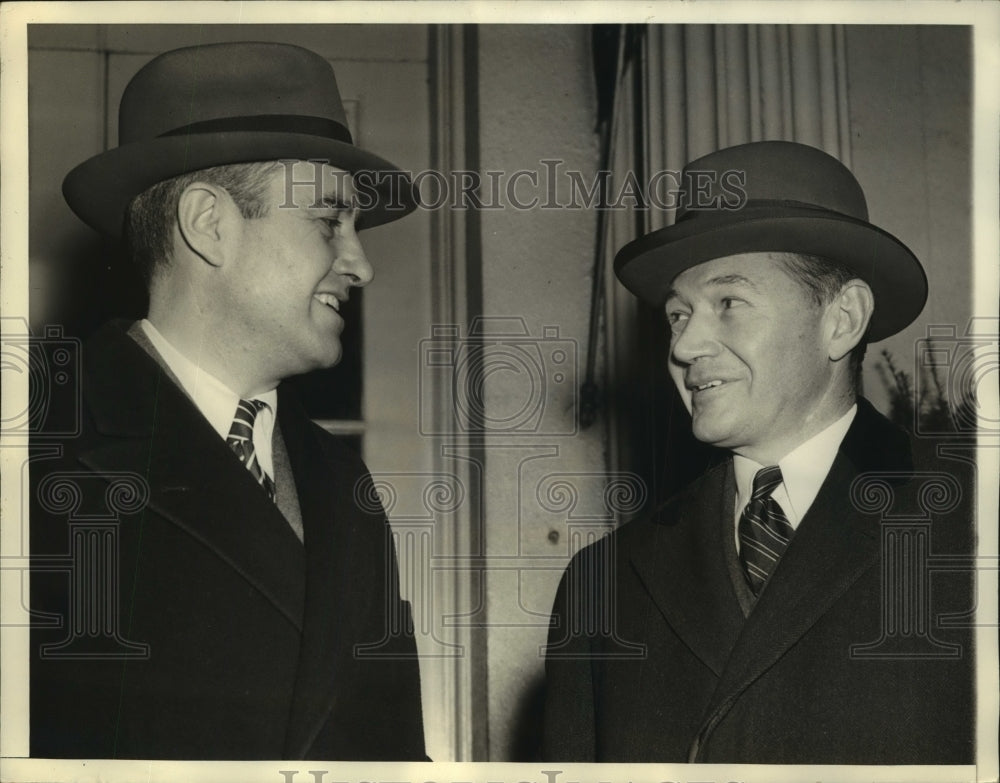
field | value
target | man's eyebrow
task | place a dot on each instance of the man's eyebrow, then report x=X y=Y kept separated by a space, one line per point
x=336 y=202
x=719 y=280
x=732 y=279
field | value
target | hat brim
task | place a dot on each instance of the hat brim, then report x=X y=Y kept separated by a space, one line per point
x=100 y=189
x=648 y=265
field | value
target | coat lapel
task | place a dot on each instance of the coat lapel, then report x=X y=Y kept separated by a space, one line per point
x=334 y=572
x=833 y=547
x=682 y=554
x=150 y=427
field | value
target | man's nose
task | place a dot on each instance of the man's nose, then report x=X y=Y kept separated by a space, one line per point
x=351 y=260
x=695 y=340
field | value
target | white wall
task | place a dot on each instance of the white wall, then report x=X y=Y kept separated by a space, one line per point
x=536 y=102
x=910 y=111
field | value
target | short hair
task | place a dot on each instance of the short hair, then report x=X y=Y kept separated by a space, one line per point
x=823 y=279
x=150 y=216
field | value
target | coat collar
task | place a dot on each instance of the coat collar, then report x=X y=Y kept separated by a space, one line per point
x=680 y=558
x=148 y=426
x=682 y=551
x=334 y=611
x=833 y=546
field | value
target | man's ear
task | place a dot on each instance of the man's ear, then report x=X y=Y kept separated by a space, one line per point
x=849 y=314
x=203 y=219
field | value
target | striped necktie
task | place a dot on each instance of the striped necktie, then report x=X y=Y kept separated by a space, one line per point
x=240 y=440
x=764 y=530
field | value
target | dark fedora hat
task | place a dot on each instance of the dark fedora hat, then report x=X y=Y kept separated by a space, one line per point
x=204 y=106
x=777 y=196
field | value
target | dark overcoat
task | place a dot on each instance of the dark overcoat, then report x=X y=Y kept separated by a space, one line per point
x=858 y=651
x=195 y=624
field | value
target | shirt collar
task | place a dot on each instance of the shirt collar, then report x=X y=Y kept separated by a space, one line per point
x=803 y=470
x=216 y=401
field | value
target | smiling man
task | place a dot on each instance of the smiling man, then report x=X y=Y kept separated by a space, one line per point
x=247 y=571
x=771 y=620
x=761 y=363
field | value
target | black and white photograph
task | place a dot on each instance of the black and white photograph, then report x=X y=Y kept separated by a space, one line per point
x=540 y=392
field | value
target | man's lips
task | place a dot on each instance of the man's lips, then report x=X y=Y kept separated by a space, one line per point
x=704 y=384
x=328 y=300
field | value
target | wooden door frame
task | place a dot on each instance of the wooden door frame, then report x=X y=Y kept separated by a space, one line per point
x=456 y=298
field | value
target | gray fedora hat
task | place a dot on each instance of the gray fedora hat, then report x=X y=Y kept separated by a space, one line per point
x=203 y=106
x=777 y=196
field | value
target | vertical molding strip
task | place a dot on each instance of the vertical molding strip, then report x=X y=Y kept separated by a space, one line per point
x=455 y=293
x=620 y=307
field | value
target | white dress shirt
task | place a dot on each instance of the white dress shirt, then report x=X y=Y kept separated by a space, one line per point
x=803 y=471
x=216 y=401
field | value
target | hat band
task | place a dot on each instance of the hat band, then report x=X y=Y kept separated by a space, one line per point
x=760 y=203
x=268 y=123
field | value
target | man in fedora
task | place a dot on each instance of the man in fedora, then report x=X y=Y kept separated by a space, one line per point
x=242 y=599
x=758 y=615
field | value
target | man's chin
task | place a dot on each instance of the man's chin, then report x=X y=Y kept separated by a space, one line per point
x=329 y=352
x=714 y=433
x=331 y=361
x=321 y=361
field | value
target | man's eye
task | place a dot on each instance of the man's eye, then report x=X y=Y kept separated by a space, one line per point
x=676 y=317
x=340 y=218
x=729 y=302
